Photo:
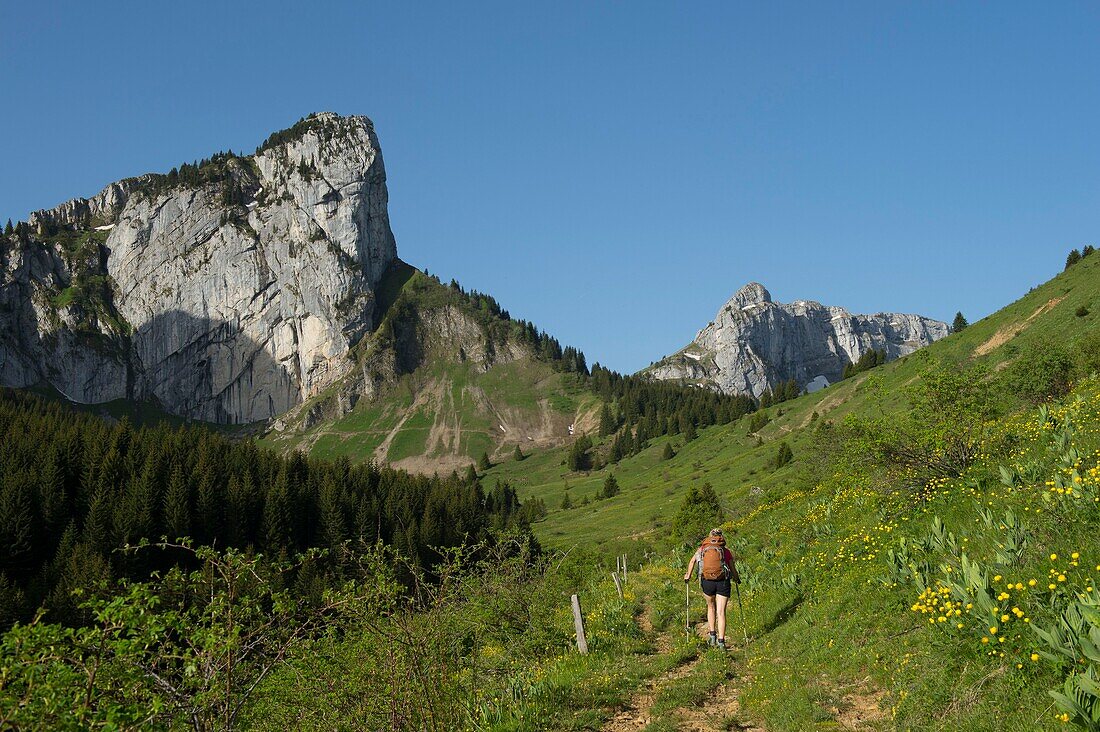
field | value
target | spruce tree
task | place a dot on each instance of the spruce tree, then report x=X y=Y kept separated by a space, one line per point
x=483 y=462
x=517 y=454
x=9 y=229
x=1073 y=258
x=333 y=523
x=668 y=453
x=607 y=421
x=51 y=494
x=959 y=323
x=279 y=516
x=1089 y=249
x=177 y=506
x=782 y=456
x=566 y=501
x=98 y=528
x=610 y=487
x=17 y=522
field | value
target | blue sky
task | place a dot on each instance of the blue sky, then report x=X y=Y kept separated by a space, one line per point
x=614 y=172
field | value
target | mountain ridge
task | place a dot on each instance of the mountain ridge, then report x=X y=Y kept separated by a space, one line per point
x=754 y=345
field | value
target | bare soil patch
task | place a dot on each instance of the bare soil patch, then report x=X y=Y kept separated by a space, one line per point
x=1010 y=331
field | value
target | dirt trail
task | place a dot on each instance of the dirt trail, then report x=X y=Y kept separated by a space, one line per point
x=713 y=716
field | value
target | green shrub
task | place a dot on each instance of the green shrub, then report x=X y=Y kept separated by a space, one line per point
x=1043 y=371
x=1086 y=354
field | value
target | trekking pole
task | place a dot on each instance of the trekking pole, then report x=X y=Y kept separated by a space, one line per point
x=744 y=627
x=687 y=606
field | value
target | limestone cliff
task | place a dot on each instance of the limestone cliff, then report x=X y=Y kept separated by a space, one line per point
x=229 y=291
x=755 y=344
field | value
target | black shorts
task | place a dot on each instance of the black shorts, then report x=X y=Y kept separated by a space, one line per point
x=715 y=587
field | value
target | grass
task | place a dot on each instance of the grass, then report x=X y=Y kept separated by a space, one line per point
x=830 y=637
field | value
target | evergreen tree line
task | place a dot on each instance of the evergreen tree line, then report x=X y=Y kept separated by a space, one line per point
x=783 y=392
x=545 y=347
x=1076 y=256
x=74 y=488
x=636 y=410
x=866 y=362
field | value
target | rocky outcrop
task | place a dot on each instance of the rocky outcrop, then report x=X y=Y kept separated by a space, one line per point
x=755 y=344
x=227 y=292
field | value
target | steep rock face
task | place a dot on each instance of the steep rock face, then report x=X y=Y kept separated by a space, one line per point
x=231 y=296
x=755 y=344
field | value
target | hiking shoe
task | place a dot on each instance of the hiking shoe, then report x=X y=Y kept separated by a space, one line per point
x=712 y=639
x=722 y=644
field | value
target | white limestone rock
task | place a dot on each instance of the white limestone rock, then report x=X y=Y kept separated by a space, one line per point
x=228 y=301
x=755 y=344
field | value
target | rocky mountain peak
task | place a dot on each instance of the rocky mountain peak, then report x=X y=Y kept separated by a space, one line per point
x=753 y=293
x=749 y=349
x=229 y=290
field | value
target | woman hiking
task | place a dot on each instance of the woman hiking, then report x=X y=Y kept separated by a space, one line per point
x=716 y=571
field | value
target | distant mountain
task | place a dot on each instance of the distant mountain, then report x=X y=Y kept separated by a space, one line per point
x=754 y=344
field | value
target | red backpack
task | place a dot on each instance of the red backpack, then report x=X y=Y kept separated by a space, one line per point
x=715 y=560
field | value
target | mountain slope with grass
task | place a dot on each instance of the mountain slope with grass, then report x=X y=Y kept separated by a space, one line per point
x=918 y=547
x=446 y=378
x=924 y=557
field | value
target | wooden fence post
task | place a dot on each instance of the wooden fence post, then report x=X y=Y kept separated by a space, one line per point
x=578 y=622
x=624 y=568
x=618 y=584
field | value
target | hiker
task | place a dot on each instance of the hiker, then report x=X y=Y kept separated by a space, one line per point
x=716 y=570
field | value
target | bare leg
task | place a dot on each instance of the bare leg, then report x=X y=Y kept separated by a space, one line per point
x=721 y=602
x=710 y=613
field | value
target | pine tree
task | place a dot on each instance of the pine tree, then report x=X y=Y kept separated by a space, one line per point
x=211 y=503
x=483 y=462
x=177 y=506
x=17 y=521
x=333 y=522
x=1073 y=258
x=959 y=324
x=9 y=229
x=517 y=454
x=668 y=453
x=782 y=456
x=51 y=494
x=1089 y=249
x=689 y=432
x=278 y=515
x=699 y=511
x=566 y=501
x=607 y=421
x=578 y=454
x=99 y=524
x=610 y=487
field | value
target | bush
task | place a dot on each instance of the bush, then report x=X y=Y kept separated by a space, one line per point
x=1086 y=354
x=1043 y=371
x=1081 y=311
x=942 y=432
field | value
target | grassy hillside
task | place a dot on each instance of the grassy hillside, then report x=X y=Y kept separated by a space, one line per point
x=477 y=388
x=910 y=599
x=733 y=461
